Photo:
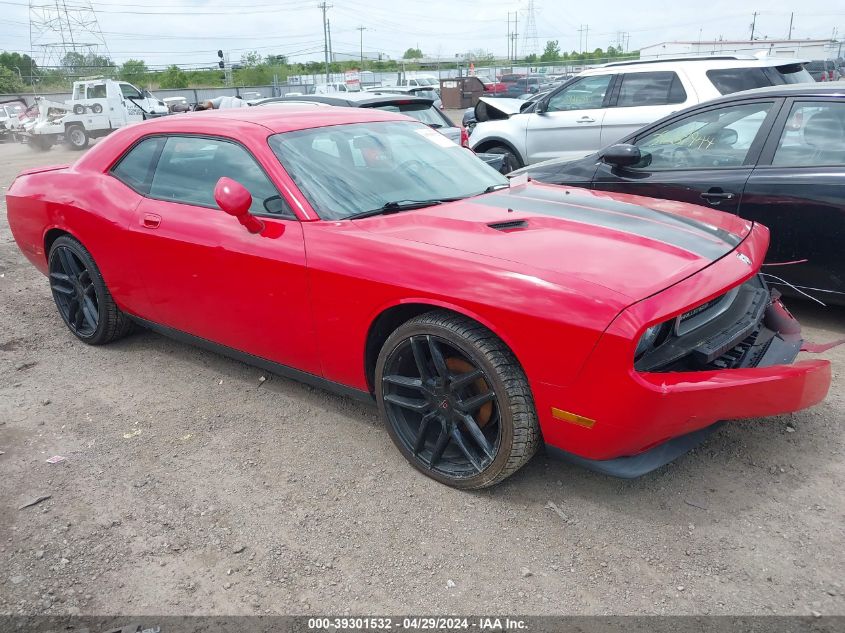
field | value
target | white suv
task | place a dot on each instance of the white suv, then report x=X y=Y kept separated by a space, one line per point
x=604 y=104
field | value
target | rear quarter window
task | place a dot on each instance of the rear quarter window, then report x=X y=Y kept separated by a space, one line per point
x=730 y=80
x=135 y=167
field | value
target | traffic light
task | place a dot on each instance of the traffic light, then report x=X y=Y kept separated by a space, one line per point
x=221 y=63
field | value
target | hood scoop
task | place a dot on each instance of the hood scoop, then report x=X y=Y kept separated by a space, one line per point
x=509 y=225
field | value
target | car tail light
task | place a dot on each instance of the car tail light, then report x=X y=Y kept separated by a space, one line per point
x=464 y=137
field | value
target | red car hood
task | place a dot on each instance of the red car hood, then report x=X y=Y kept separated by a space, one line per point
x=633 y=245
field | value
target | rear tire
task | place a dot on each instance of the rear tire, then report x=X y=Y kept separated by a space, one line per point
x=40 y=143
x=511 y=160
x=76 y=137
x=455 y=400
x=82 y=298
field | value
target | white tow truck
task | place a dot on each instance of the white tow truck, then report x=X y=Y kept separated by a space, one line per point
x=98 y=107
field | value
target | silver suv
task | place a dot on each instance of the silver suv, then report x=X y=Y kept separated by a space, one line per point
x=607 y=103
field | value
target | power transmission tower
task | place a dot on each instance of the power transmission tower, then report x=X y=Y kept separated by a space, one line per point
x=325 y=7
x=56 y=29
x=530 y=40
x=753 y=24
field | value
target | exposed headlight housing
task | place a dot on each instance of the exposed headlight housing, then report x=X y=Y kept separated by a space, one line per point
x=651 y=336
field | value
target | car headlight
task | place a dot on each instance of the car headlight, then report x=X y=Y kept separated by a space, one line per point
x=651 y=336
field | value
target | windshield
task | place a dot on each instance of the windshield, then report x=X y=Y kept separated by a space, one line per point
x=347 y=169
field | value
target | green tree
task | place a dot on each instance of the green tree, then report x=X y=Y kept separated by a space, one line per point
x=174 y=77
x=15 y=61
x=134 y=71
x=412 y=53
x=250 y=60
x=78 y=65
x=9 y=81
x=530 y=59
x=276 y=60
x=552 y=52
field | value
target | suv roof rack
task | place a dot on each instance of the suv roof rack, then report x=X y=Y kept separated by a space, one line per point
x=688 y=58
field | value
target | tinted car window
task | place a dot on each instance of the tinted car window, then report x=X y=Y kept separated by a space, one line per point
x=814 y=135
x=581 y=94
x=645 y=89
x=136 y=167
x=190 y=167
x=709 y=139
x=730 y=80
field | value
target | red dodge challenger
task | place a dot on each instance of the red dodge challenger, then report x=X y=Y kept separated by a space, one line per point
x=364 y=252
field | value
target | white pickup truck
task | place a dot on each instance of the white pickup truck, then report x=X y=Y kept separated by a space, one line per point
x=98 y=107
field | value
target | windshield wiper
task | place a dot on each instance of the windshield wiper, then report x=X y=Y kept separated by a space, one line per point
x=493 y=188
x=395 y=206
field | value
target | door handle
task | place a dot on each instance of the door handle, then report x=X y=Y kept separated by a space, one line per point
x=586 y=119
x=714 y=197
x=151 y=221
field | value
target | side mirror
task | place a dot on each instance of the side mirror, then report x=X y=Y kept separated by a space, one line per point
x=538 y=107
x=621 y=155
x=234 y=199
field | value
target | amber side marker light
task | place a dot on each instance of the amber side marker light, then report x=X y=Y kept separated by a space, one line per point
x=572 y=418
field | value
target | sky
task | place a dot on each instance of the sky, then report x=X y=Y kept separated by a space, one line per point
x=189 y=32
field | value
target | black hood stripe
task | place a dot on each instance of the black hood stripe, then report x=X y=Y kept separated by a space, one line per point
x=695 y=237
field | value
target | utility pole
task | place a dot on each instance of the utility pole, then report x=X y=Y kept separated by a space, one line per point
x=791 y=16
x=753 y=24
x=361 y=30
x=325 y=7
x=329 y=29
x=515 y=32
x=509 y=35
x=583 y=33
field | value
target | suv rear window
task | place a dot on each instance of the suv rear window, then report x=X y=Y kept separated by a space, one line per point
x=647 y=89
x=730 y=80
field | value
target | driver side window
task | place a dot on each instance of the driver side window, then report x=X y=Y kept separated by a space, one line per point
x=709 y=139
x=129 y=91
x=585 y=94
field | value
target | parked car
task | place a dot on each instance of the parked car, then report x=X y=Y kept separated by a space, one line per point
x=493 y=88
x=469 y=120
x=419 y=81
x=773 y=155
x=606 y=103
x=823 y=70
x=333 y=88
x=427 y=92
x=357 y=250
x=177 y=104
x=10 y=112
x=527 y=85
x=418 y=108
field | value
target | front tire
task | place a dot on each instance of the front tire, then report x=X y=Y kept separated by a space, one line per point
x=455 y=401
x=511 y=161
x=82 y=298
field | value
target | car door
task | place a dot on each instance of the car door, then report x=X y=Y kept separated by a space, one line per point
x=703 y=157
x=204 y=273
x=568 y=123
x=640 y=98
x=798 y=191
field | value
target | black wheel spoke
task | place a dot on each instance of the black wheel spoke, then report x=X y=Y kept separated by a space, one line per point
x=466 y=379
x=69 y=263
x=413 y=404
x=437 y=358
x=440 y=446
x=477 y=435
x=419 y=358
x=458 y=438
x=76 y=313
x=419 y=443
x=89 y=311
x=475 y=402
x=404 y=381
x=65 y=290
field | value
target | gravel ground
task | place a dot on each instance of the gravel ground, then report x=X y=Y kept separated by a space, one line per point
x=192 y=487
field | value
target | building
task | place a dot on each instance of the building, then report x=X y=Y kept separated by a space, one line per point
x=803 y=49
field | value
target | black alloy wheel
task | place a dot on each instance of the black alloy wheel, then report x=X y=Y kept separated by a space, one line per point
x=81 y=296
x=456 y=402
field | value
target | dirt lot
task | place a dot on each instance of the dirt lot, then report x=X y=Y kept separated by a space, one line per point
x=191 y=487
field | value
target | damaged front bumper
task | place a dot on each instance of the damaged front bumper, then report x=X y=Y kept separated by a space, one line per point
x=627 y=421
